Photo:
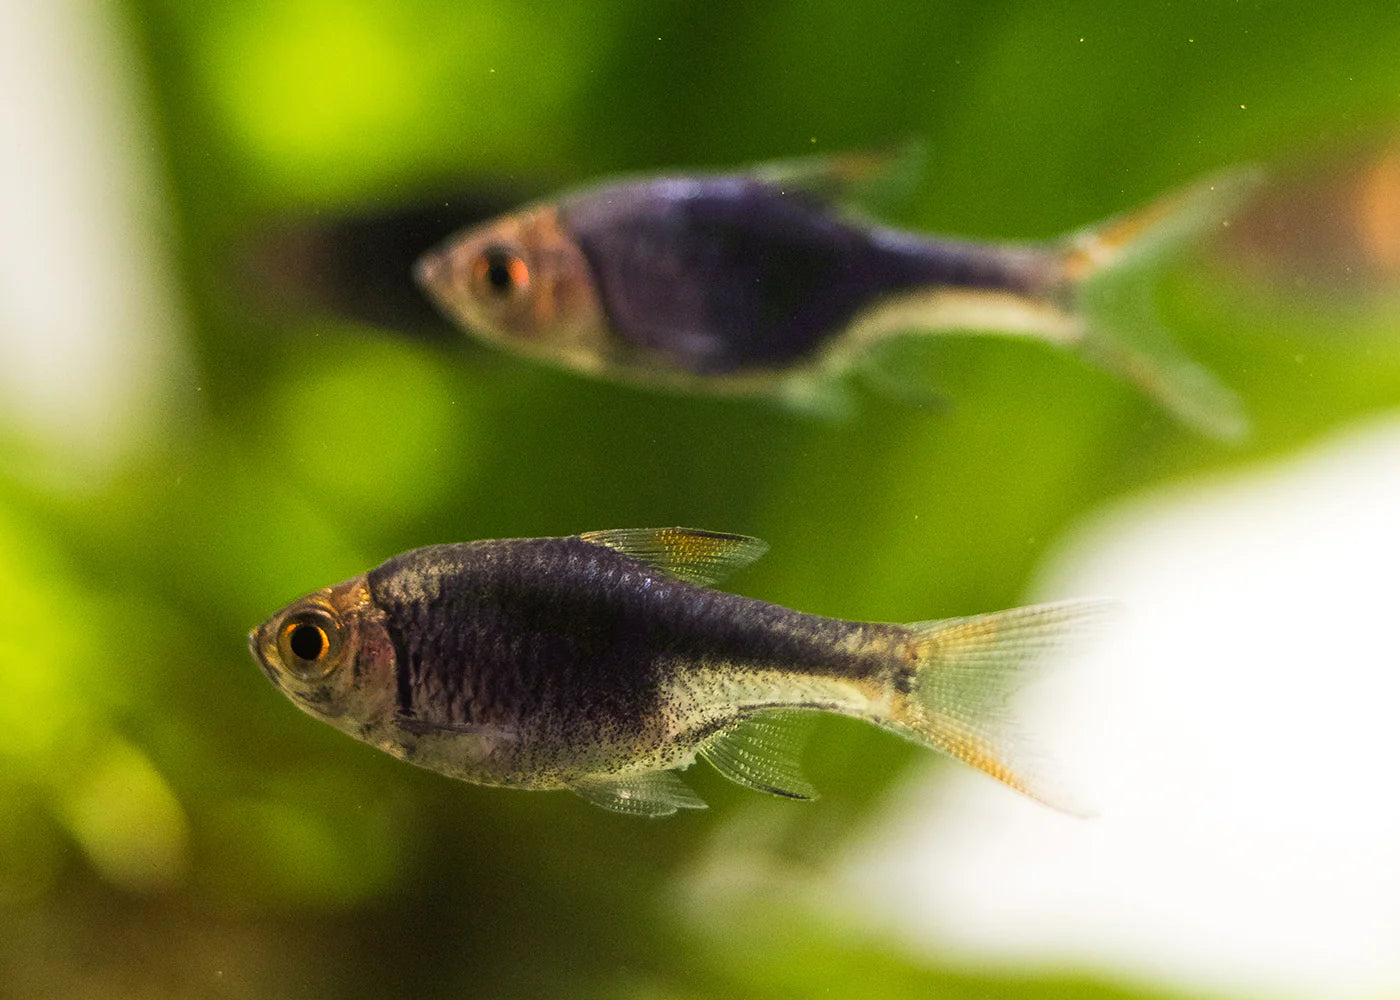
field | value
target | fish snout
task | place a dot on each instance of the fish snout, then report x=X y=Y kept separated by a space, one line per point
x=255 y=648
x=430 y=271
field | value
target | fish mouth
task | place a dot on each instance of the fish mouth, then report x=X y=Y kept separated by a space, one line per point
x=430 y=270
x=255 y=647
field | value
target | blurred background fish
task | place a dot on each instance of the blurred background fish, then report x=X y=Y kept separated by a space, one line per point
x=756 y=283
x=774 y=282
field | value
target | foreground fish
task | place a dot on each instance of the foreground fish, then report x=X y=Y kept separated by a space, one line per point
x=601 y=663
x=755 y=283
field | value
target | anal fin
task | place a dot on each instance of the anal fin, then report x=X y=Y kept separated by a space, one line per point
x=650 y=793
x=764 y=753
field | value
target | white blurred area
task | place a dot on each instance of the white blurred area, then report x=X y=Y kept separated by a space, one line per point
x=88 y=325
x=1240 y=733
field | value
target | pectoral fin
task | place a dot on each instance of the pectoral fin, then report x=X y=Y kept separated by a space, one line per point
x=764 y=753
x=651 y=793
x=702 y=557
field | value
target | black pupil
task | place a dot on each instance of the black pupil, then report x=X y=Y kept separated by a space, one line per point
x=498 y=271
x=308 y=642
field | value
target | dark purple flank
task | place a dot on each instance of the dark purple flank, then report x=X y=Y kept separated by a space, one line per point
x=574 y=635
x=723 y=274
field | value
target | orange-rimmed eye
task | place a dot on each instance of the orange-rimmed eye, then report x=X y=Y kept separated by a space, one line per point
x=500 y=273
x=309 y=643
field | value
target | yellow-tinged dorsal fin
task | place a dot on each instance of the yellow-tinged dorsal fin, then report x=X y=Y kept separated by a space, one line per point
x=870 y=179
x=702 y=557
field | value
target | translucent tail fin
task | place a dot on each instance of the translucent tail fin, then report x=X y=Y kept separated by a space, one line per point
x=1109 y=268
x=965 y=671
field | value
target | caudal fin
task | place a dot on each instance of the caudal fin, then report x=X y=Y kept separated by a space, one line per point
x=1109 y=268
x=965 y=672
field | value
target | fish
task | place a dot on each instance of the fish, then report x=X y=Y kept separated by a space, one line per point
x=605 y=662
x=771 y=282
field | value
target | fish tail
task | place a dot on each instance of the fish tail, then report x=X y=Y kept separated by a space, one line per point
x=1108 y=270
x=955 y=689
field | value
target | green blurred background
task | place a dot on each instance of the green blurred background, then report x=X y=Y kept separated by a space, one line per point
x=172 y=827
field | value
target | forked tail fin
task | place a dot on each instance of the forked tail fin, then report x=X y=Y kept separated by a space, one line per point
x=965 y=671
x=1109 y=268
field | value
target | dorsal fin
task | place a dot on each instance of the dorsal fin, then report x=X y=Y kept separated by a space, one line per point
x=873 y=180
x=702 y=557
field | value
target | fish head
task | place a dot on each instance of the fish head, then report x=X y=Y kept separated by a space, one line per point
x=330 y=653
x=521 y=282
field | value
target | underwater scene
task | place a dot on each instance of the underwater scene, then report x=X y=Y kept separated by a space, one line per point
x=673 y=500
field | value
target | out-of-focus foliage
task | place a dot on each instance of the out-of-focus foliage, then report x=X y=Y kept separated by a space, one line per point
x=174 y=827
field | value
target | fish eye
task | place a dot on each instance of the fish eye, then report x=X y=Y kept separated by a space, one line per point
x=309 y=643
x=499 y=272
